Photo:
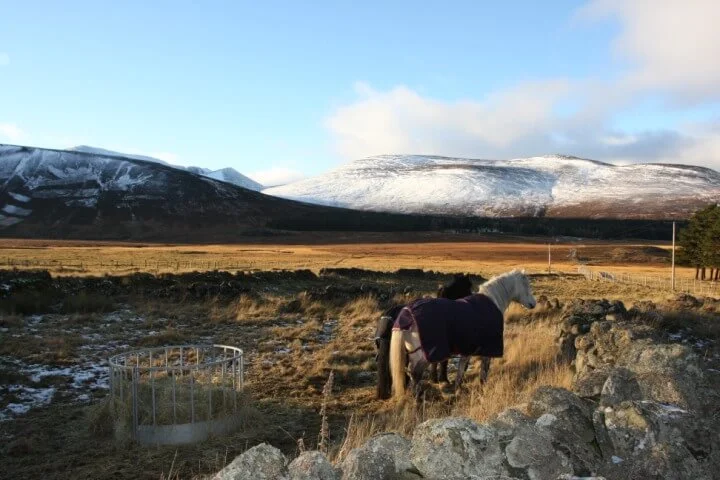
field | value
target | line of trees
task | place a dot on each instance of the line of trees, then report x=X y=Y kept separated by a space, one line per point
x=700 y=243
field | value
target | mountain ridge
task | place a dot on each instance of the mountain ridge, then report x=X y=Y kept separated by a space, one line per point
x=550 y=185
x=226 y=174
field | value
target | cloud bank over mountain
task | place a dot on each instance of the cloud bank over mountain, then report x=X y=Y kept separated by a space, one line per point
x=669 y=50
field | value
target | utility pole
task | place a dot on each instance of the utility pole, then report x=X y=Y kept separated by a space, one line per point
x=549 y=260
x=673 y=259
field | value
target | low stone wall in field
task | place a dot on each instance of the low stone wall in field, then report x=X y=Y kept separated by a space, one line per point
x=644 y=404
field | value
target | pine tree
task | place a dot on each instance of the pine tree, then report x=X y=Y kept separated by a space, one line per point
x=700 y=242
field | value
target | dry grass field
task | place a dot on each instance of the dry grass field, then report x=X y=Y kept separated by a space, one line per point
x=481 y=254
x=292 y=339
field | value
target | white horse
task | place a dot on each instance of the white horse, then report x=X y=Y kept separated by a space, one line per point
x=500 y=291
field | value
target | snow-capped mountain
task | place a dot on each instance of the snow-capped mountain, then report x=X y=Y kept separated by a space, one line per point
x=552 y=185
x=75 y=194
x=228 y=174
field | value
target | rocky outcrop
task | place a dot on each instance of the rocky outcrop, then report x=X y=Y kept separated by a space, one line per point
x=261 y=462
x=456 y=448
x=312 y=465
x=642 y=405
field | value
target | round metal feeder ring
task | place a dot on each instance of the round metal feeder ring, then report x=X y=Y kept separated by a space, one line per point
x=177 y=394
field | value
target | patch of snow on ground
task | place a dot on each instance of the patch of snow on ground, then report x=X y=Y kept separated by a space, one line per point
x=29 y=398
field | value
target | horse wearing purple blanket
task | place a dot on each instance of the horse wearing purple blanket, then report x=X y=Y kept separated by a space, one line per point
x=431 y=330
x=459 y=287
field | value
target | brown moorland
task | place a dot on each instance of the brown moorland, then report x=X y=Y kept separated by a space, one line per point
x=293 y=340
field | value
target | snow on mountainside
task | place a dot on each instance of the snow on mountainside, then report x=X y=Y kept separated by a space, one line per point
x=229 y=175
x=71 y=194
x=551 y=185
x=60 y=187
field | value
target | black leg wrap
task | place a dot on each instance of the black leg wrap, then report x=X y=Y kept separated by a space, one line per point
x=434 y=372
x=417 y=372
x=443 y=372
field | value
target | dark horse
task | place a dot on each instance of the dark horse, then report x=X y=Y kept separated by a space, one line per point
x=460 y=287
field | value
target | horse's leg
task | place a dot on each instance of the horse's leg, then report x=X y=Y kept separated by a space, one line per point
x=485 y=370
x=416 y=360
x=417 y=368
x=462 y=366
x=434 y=372
x=442 y=376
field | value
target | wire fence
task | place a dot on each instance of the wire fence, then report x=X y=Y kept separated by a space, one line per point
x=682 y=284
x=116 y=265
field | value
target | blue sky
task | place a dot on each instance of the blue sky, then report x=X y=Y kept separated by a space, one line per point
x=283 y=89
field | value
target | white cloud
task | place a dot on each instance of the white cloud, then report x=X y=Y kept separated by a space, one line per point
x=700 y=146
x=403 y=121
x=674 y=45
x=522 y=121
x=276 y=176
x=4 y=59
x=11 y=132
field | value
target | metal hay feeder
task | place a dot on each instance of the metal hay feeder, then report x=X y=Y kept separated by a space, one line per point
x=177 y=394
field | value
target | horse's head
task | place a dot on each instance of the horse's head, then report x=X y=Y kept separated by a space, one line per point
x=463 y=282
x=523 y=290
x=459 y=287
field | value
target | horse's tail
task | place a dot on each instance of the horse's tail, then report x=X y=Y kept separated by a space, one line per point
x=397 y=362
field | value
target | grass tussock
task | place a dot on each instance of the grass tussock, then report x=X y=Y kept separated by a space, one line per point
x=99 y=419
x=12 y=320
x=52 y=350
x=85 y=302
x=27 y=302
x=248 y=307
x=303 y=305
x=361 y=310
x=169 y=336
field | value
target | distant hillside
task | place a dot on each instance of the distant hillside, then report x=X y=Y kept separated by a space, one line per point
x=549 y=186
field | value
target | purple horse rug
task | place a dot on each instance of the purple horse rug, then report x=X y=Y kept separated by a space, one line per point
x=468 y=326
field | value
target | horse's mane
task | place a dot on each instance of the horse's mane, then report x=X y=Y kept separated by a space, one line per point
x=498 y=290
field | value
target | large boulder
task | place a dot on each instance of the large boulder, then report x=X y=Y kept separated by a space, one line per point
x=456 y=448
x=568 y=421
x=668 y=373
x=510 y=421
x=261 y=462
x=397 y=446
x=312 y=465
x=532 y=450
x=365 y=464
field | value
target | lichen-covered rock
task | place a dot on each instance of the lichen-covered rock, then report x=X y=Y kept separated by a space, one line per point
x=508 y=422
x=261 y=462
x=574 y=416
x=365 y=464
x=532 y=450
x=456 y=448
x=656 y=440
x=667 y=373
x=312 y=465
x=567 y=419
x=621 y=385
x=397 y=446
